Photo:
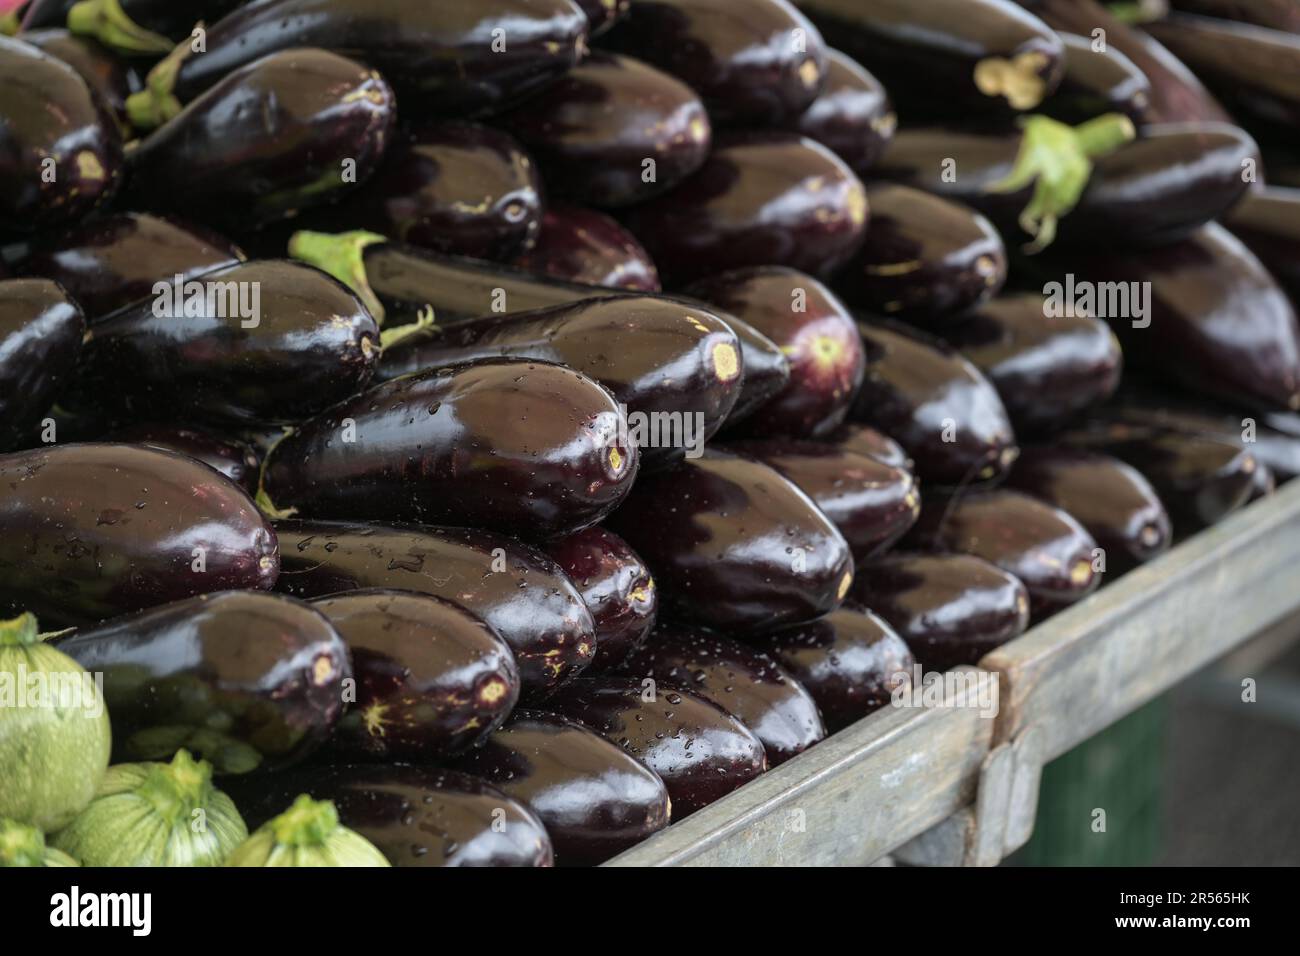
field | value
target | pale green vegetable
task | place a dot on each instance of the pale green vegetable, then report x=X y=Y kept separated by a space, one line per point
x=307 y=834
x=24 y=845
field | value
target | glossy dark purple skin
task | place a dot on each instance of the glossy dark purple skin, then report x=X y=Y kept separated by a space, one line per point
x=586 y=246
x=595 y=800
x=1274 y=14
x=1046 y=369
x=234 y=459
x=914 y=388
x=951 y=609
x=592 y=131
x=699 y=751
x=865 y=440
x=615 y=585
x=98 y=530
x=171 y=18
x=525 y=448
x=762 y=198
x=871 y=503
x=247 y=681
x=530 y=602
x=1098 y=82
x=415 y=816
x=817 y=336
x=735 y=546
x=1112 y=500
x=852 y=116
x=850 y=661
x=40 y=339
x=741 y=56
x=313 y=345
x=114 y=260
x=109 y=76
x=1267 y=220
x=50 y=113
x=432 y=679
x=229 y=162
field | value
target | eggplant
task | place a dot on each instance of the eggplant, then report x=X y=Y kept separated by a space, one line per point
x=982 y=55
x=521 y=447
x=871 y=503
x=699 y=751
x=925 y=259
x=443 y=57
x=852 y=116
x=951 y=609
x=1046 y=367
x=415 y=816
x=850 y=661
x=259 y=342
x=865 y=440
x=761 y=198
x=234 y=459
x=1274 y=14
x=61 y=148
x=1113 y=502
x=595 y=800
x=613 y=131
x=1098 y=79
x=112 y=79
x=97 y=530
x=588 y=247
x=143 y=27
x=1267 y=220
x=817 y=336
x=734 y=545
x=936 y=405
x=676 y=371
x=246 y=680
x=432 y=679
x=616 y=587
x=520 y=592
x=113 y=260
x=291 y=130
x=753 y=62
x=746 y=683
x=40 y=339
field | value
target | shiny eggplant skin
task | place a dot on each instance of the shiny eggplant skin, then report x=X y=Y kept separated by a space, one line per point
x=235 y=459
x=598 y=130
x=850 y=661
x=871 y=503
x=744 y=682
x=656 y=356
x=1098 y=82
x=595 y=799
x=432 y=679
x=753 y=62
x=246 y=680
x=925 y=258
x=60 y=149
x=1267 y=220
x=616 y=587
x=113 y=260
x=40 y=338
x=936 y=405
x=814 y=331
x=98 y=530
x=1046 y=368
x=520 y=592
x=299 y=343
x=107 y=75
x=699 y=751
x=1043 y=546
x=525 y=448
x=415 y=816
x=865 y=440
x=734 y=545
x=1275 y=14
x=172 y=20
x=761 y=198
x=582 y=245
x=951 y=609
x=1112 y=500
x=983 y=55
x=852 y=116
x=292 y=130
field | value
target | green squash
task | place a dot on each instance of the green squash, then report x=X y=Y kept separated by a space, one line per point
x=307 y=834
x=54 y=732
x=23 y=845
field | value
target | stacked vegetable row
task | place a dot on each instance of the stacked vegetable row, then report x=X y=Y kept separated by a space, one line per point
x=437 y=526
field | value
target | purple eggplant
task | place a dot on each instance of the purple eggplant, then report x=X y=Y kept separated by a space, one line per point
x=588 y=247
x=865 y=440
x=132 y=27
x=734 y=545
x=432 y=679
x=248 y=681
x=852 y=116
x=1274 y=14
x=521 y=593
x=98 y=530
x=112 y=79
x=40 y=339
x=1267 y=220
x=1098 y=79
x=616 y=587
x=234 y=459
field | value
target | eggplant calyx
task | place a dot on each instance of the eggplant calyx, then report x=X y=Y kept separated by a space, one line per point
x=422 y=325
x=21 y=844
x=176 y=789
x=19 y=631
x=342 y=256
x=156 y=103
x=308 y=823
x=107 y=22
x=9 y=23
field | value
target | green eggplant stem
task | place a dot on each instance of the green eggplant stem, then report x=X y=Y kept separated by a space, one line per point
x=424 y=323
x=175 y=789
x=9 y=23
x=107 y=22
x=19 y=631
x=308 y=823
x=156 y=103
x=341 y=255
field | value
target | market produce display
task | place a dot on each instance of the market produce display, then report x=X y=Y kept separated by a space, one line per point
x=484 y=434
